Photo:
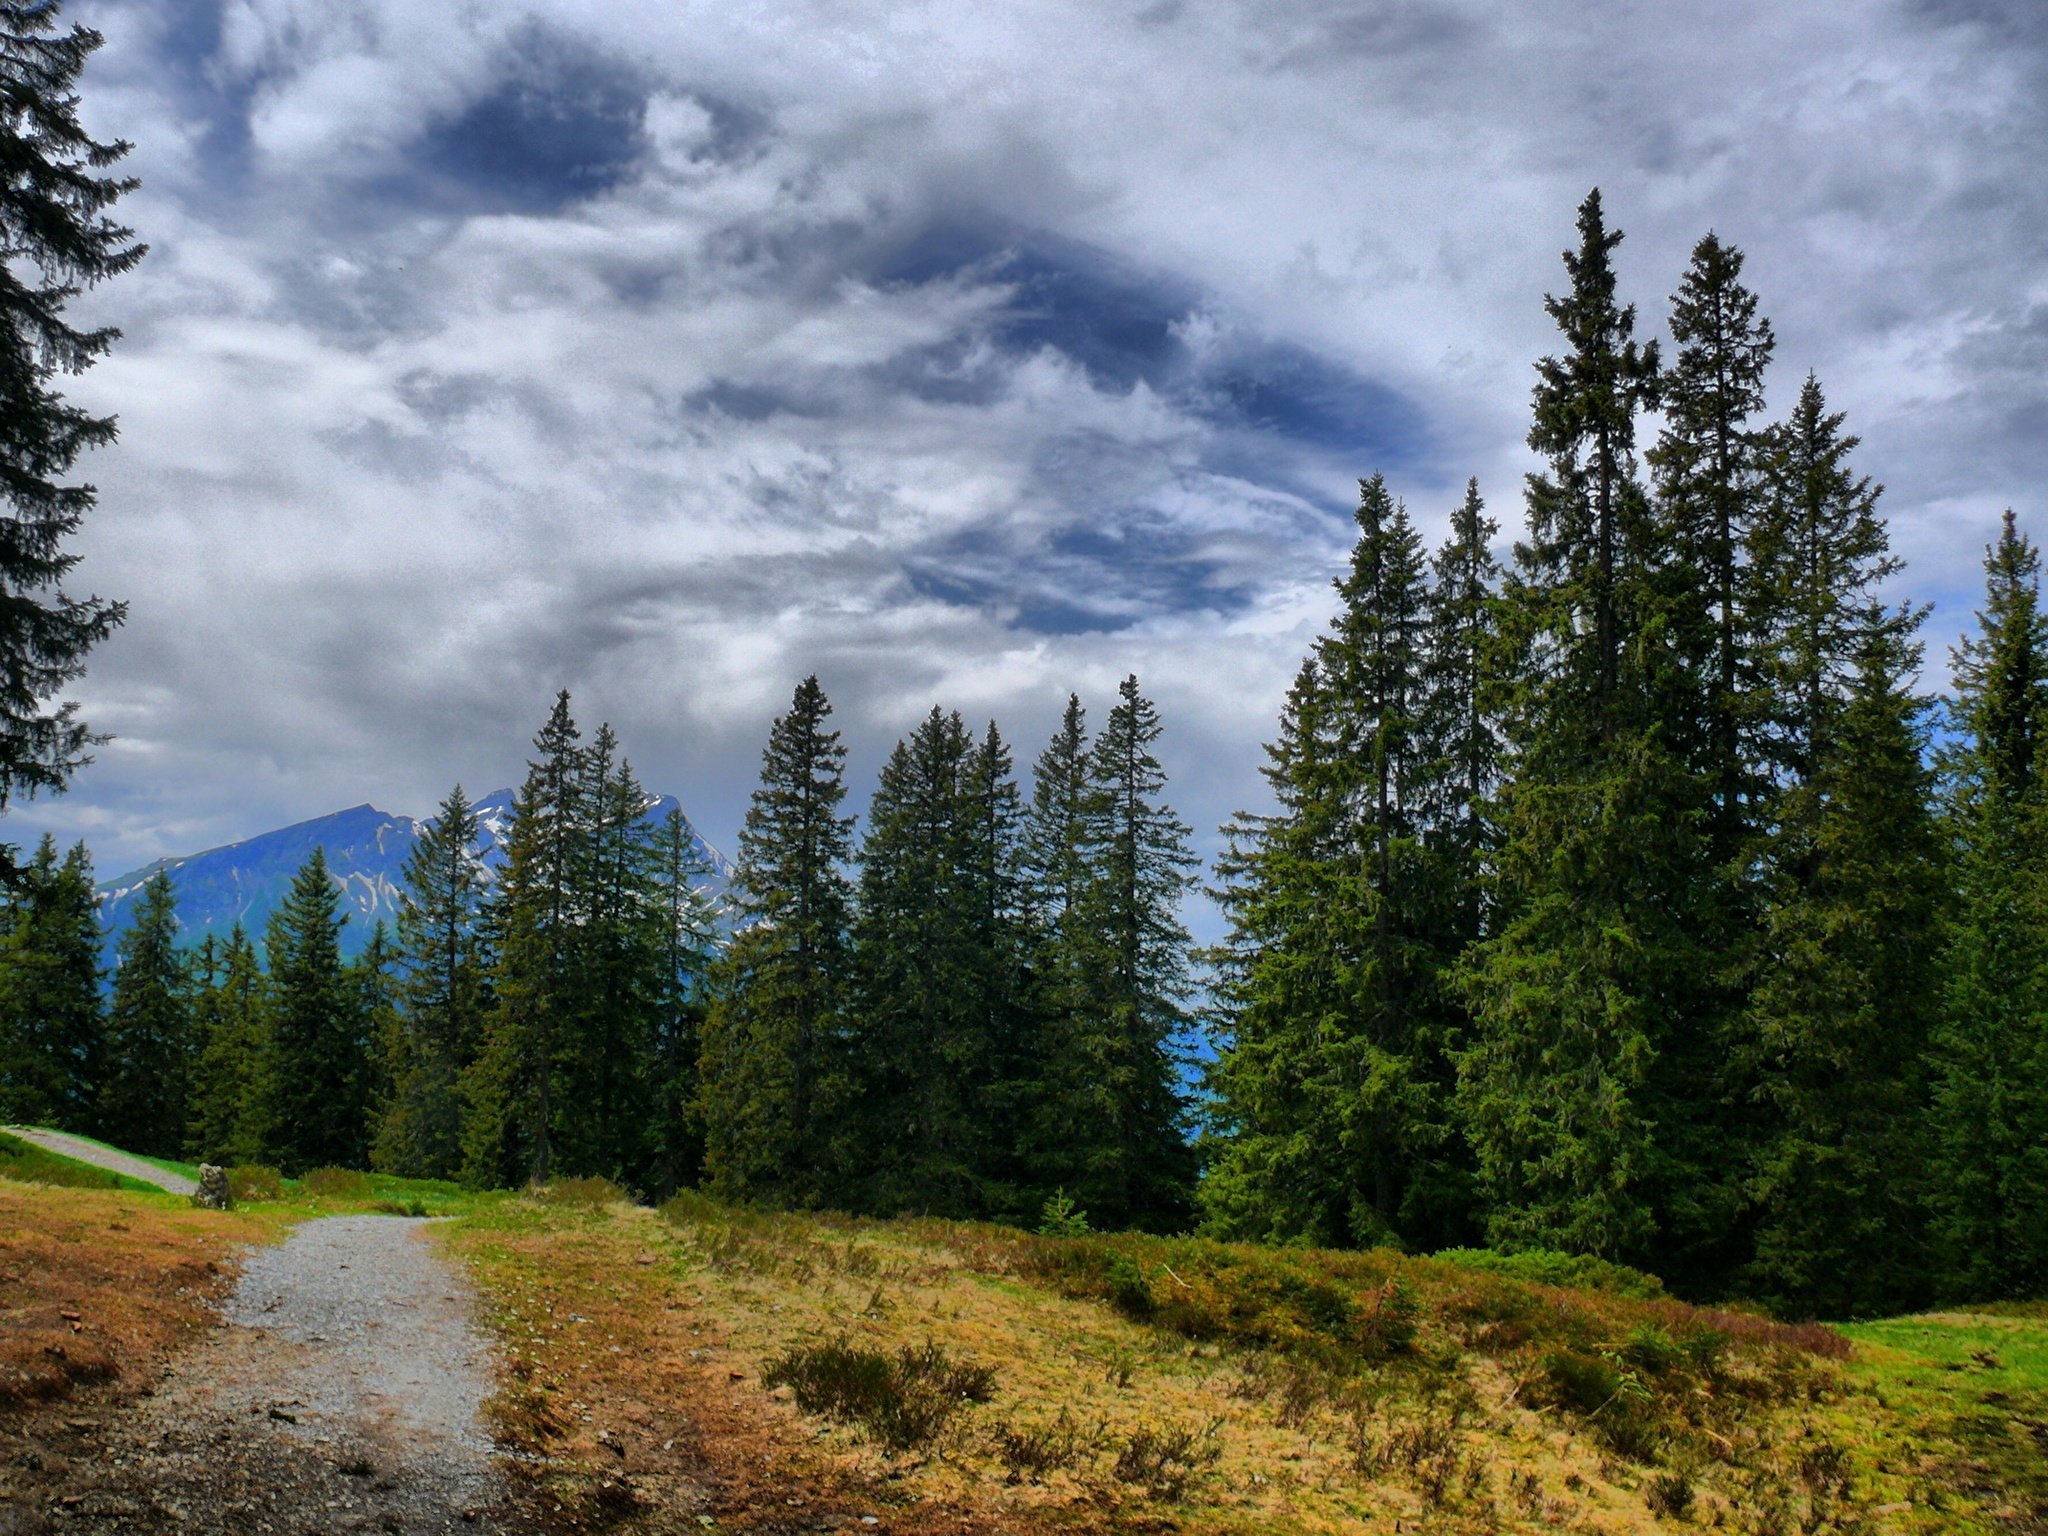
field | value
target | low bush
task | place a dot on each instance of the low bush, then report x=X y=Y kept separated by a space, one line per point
x=1165 y=1459
x=336 y=1184
x=904 y=1400
x=1030 y=1451
x=589 y=1192
x=1547 y=1266
x=254 y=1181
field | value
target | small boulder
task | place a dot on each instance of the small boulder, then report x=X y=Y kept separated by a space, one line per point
x=213 y=1189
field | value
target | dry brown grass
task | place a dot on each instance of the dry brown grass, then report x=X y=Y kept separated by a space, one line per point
x=1192 y=1387
x=100 y=1286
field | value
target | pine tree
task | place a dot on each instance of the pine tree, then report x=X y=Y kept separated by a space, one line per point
x=772 y=1062
x=920 y=1048
x=372 y=977
x=1591 y=973
x=1989 y=1125
x=50 y=1009
x=229 y=1105
x=1282 y=993
x=1005 y=994
x=511 y=1089
x=687 y=943
x=149 y=1030
x=54 y=205
x=441 y=994
x=319 y=1050
x=615 y=953
x=1846 y=1005
x=1132 y=1163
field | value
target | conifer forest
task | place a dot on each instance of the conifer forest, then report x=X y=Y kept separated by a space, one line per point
x=1617 y=891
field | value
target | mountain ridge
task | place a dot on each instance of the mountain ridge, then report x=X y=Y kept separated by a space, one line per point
x=366 y=850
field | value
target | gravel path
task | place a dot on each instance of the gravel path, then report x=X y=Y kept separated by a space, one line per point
x=342 y=1393
x=81 y=1150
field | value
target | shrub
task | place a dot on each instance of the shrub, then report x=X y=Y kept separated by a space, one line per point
x=1166 y=1459
x=1129 y=1289
x=1030 y=1451
x=1385 y=1324
x=254 y=1181
x=1547 y=1266
x=585 y=1191
x=401 y=1207
x=904 y=1401
x=336 y=1184
x=1669 y=1494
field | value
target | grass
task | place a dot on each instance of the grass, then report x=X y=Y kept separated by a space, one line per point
x=27 y=1163
x=1129 y=1383
x=168 y=1164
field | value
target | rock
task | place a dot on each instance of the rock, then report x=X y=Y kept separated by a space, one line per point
x=213 y=1189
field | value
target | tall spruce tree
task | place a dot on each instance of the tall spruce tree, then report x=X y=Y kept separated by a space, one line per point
x=54 y=206
x=441 y=993
x=1005 y=993
x=1132 y=1162
x=319 y=1046
x=229 y=1103
x=149 y=1044
x=1990 y=1112
x=1369 y=1103
x=687 y=941
x=614 y=950
x=1591 y=973
x=921 y=1046
x=772 y=1066
x=511 y=1091
x=1282 y=993
x=51 y=1015
x=1845 y=1005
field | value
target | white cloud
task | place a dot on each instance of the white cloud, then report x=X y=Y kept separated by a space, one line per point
x=402 y=453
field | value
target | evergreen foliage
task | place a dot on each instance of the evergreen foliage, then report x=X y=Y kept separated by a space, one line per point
x=1990 y=1118
x=149 y=1044
x=773 y=1077
x=686 y=941
x=59 y=238
x=50 y=1006
x=319 y=1046
x=228 y=1120
x=441 y=996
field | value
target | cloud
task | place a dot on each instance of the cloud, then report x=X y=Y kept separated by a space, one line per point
x=668 y=352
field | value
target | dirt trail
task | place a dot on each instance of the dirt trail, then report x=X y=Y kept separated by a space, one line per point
x=80 y=1150
x=342 y=1393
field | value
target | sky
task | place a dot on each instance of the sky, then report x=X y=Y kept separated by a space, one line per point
x=668 y=351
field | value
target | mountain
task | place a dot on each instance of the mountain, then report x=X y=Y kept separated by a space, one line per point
x=366 y=853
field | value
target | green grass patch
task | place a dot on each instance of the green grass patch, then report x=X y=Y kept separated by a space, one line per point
x=168 y=1164
x=31 y=1164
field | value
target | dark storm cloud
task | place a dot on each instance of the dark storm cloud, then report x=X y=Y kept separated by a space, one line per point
x=669 y=351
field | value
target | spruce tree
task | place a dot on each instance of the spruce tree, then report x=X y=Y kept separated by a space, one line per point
x=441 y=995
x=1132 y=1163
x=51 y=1016
x=1591 y=975
x=1989 y=1126
x=149 y=1045
x=687 y=939
x=229 y=1105
x=54 y=206
x=319 y=1048
x=511 y=1093
x=1283 y=994
x=1005 y=989
x=772 y=1066
x=1845 y=1007
x=614 y=951
x=920 y=1046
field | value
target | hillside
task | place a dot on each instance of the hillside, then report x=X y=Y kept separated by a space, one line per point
x=703 y=1367
x=366 y=851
